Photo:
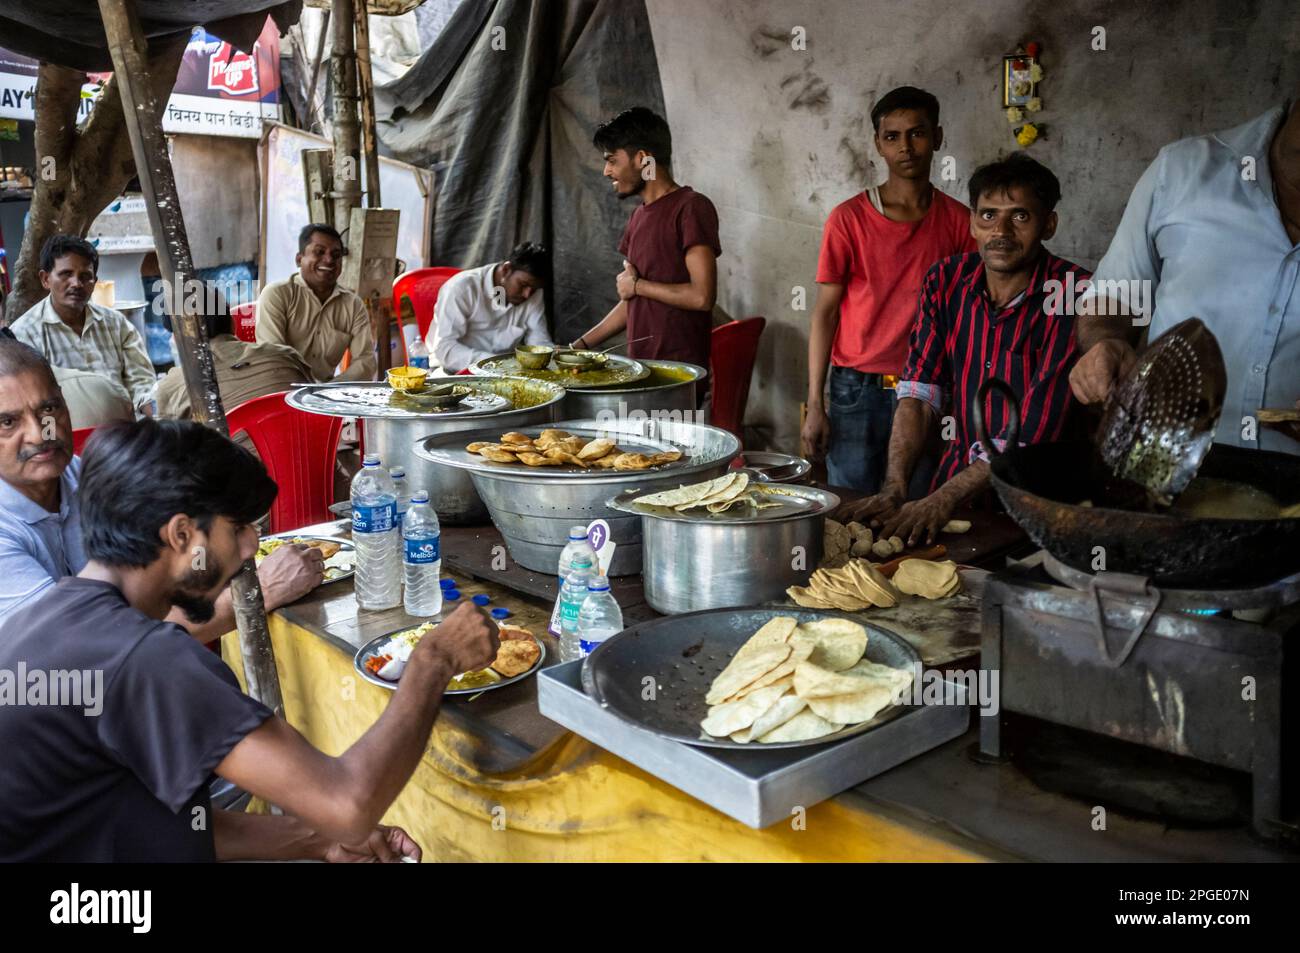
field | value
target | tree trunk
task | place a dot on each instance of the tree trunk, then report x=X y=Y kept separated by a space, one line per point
x=79 y=170
x=346 y=131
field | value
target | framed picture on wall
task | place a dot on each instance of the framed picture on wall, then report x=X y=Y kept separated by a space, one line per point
x=1018 y=87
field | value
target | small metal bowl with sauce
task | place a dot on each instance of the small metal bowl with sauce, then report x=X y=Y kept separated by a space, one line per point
x=534 y=357
x=580 y=360
x=407 y=378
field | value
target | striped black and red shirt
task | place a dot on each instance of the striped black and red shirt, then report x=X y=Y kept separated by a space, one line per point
x=959 y=340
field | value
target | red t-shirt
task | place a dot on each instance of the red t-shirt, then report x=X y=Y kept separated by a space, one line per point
x=881 y=264
x=655 y=242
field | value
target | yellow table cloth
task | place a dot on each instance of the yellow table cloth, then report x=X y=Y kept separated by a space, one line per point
x=572 y=801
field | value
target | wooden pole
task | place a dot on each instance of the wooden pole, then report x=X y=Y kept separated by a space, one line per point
x=312 y=116
x=346 y=134
x=141 y=107
x=366 y=85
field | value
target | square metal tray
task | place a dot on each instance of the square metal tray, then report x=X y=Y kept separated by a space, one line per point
x=757 y=788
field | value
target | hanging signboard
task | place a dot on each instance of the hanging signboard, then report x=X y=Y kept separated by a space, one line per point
x=219 y=90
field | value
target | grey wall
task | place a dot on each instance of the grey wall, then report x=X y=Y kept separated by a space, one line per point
x=776 y=137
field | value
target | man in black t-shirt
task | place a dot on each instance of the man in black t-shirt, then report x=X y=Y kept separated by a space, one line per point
x=113 y=721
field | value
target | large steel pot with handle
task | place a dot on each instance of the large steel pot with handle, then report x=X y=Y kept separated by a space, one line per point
x=670 y=391
x=696 y=560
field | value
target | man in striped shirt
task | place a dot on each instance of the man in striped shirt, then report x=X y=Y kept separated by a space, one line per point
x=999 y=312
x=70 y=330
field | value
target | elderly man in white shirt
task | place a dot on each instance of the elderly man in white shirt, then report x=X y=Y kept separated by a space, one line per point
x=69 y=330
x=491 y=309
x=1211 y=231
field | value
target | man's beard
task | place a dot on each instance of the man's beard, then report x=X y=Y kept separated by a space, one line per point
x=640 y=187
x=191 y=594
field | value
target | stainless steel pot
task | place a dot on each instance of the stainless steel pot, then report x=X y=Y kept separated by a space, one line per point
x=393 y=436
x=693 y=561
x=671 y=387
x=535 y=507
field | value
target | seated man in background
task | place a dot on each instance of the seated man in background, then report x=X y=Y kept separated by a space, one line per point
x=93 y=399
x=40 y=515
x=119 y=771
x=491 y=309
x=312 y=314
x=72 y=331
x=244 y=370
x=998 y=312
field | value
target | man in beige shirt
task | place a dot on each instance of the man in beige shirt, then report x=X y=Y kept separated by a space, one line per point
x=244 y=371
x=70 y=330
x=310 y=313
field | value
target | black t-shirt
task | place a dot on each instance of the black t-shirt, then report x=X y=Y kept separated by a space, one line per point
x=111 y=766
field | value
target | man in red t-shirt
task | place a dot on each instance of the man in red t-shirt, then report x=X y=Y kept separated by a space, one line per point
x=670 y=247
x=876 y=249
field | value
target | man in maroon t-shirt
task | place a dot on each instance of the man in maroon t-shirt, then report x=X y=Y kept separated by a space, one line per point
x=670 y=247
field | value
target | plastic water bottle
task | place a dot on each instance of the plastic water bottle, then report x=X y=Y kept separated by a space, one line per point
x=577 y=545
x=403 y=495
x=417 y=352
x=422 y=557
x=600 y=617
x=378 y=580
x=572 y=595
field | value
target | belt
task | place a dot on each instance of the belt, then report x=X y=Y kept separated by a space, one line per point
x=883 y=381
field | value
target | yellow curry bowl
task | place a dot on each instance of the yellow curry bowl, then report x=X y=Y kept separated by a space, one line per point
x=407 y=378
x=534 y=357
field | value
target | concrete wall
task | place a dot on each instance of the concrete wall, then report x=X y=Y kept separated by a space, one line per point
x=776 y=136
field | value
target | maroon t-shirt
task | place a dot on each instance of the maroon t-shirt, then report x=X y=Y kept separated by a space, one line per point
x=655 y=242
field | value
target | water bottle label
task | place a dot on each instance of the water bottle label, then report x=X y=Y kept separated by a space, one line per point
x=569 y=615
x=374 y=519
x=422 y=552
x=420 y=362
x=588 y=647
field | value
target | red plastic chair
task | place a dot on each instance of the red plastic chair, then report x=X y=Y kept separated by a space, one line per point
x=732 y=351
x=79 y=438
x=244 y=319
x=298 y=450
x=421 y=286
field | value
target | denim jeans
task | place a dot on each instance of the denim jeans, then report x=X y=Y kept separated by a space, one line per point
x=862 y=414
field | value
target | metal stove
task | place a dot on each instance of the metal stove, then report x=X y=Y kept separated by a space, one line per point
x=1202 y=674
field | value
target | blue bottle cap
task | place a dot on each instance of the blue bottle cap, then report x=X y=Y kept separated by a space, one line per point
x=481 y=600
x=447 y=583
x=500 y=613
x=451 y=595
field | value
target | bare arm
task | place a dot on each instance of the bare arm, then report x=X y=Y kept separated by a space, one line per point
x=698 y=294
x=611 y=324
x=240 y=836
x=343 y=798
x=821 y=335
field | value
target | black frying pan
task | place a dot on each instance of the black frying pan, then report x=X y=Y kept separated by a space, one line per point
x=1042 y=485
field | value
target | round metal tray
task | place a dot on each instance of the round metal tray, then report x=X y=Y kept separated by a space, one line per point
x=449 y=449
x=768 y=466
x=507 y=365
x=373 y=399
x=346 y=546
x=371 y=648
x=796 y=502
x=685 y=653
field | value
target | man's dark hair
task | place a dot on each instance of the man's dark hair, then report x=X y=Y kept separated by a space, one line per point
x=534 y=258
x=56 y=246
x=18 y=358
x=905 y=97
x=1015 y=170
x=637 y=129
x=304 y=236
x=136 y=476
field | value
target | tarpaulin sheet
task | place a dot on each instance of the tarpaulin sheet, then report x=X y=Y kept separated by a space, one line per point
x=71 y=33
x=508 y=132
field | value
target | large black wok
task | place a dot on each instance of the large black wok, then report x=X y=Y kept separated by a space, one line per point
x=1042 y=485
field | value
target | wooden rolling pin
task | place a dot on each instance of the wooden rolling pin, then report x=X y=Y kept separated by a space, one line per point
x=934 y=552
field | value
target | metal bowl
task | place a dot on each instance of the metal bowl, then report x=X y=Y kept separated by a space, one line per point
x=391 y=430
x=695 y=561
x=580 y=360
x=534 y=356
x=535 y=507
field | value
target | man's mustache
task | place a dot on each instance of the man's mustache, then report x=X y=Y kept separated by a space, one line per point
x=28 y=453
